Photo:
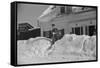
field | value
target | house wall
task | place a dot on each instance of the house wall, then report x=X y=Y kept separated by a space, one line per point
x=67 y=22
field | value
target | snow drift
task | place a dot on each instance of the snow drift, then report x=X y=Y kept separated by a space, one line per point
x=73 y=44
x=69 y=48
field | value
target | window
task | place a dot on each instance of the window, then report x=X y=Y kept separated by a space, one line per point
x=62 y=10
x=81 y=30
x=73 y=30
x=92 y=30
x=86 y=30
x=68 y=9
x=77 y=30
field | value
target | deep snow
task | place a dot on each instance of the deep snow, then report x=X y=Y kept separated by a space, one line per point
x=69 y=48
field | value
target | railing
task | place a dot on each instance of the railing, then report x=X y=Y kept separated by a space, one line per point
x=82 y=11
x=78 y=12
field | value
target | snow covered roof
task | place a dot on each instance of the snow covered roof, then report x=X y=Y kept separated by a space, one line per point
x=52 y=11
x=49 y=13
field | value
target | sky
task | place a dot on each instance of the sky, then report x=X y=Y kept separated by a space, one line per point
x=28 y=13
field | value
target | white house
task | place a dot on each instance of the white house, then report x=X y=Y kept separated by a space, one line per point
x=69 y=20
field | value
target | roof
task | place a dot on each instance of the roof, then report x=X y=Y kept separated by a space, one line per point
x=52 y=12
x=24 y=26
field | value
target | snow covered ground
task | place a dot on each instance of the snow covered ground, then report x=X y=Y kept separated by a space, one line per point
x=69 y=48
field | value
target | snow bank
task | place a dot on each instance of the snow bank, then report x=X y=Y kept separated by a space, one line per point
x=35 y=46
x=69 y=47
x=72 y=44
